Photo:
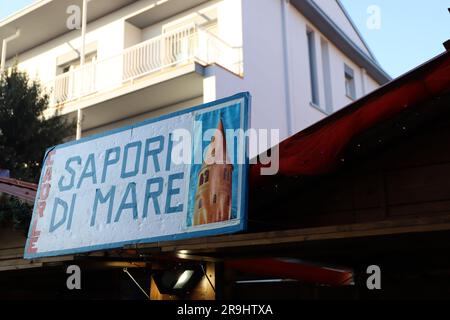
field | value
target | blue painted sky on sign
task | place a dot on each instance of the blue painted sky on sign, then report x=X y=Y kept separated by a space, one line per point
x=231 y=120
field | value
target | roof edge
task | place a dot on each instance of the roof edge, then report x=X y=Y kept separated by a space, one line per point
x=335 y=34
x=352 y=22
x=24 y=11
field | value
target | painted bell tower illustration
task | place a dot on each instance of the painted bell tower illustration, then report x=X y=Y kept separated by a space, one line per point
x=213 y=197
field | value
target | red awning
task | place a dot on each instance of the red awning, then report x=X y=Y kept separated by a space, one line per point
x=23 y=190
x=318 y=149
x=292 y=269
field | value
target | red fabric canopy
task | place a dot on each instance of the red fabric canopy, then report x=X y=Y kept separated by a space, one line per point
x=318 y=149
x=19 y=189
x=290 y=269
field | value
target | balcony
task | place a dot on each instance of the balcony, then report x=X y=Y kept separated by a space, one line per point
x=165 y=53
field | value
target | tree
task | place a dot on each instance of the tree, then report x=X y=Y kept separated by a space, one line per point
x=16 y=212
x=25 y=133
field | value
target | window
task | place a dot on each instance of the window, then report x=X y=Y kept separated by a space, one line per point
x=215 y=199
x=202 y=180
x=326 y=76
x=206 y=176
x=200 y=203
x=313 y=67
x=350 y=90
x=75 y=63
x=66 y=69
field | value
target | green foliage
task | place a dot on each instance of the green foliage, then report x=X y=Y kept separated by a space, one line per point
x=25 y=134
x=15 y=212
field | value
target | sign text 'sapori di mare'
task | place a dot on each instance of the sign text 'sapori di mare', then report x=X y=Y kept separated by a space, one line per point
x=125 y=187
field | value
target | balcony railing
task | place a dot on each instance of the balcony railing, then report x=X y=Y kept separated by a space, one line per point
x=182 y=46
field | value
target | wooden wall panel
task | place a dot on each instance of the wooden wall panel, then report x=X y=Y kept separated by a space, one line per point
x=409 y=177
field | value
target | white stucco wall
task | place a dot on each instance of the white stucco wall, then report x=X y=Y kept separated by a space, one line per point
x=303 y=113
x=371 y=84
x=132 y=35
x=144 y=116
x=280 y=99
x=263 y=66
x=230 y=22
x=111 y=33
x=40 y=62
x=265 y=76
x=334 y=11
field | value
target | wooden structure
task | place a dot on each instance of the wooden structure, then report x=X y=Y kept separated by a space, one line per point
x=213 y=194
x=382 y=197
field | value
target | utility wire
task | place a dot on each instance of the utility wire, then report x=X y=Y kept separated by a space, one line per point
x=129 y=274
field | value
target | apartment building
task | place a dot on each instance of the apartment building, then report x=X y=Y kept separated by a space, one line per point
x=300 y=59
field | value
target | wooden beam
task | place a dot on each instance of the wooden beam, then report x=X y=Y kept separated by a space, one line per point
x=297 y=236
x=11 y=253
x=12 y=258
x=19 y=263
x=13 y=267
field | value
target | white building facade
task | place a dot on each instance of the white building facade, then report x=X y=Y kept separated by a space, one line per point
x=301 y=60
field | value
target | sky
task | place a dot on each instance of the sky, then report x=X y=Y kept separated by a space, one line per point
x=8 y=7
x=409 y=32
